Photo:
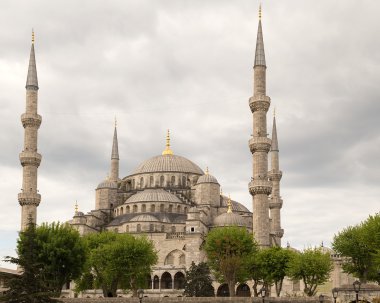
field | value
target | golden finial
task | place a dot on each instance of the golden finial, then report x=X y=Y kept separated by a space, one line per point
x=32 y=36
x=167 y=150
x=229 y=205
x=260 y=12
x=76 y=206
x=207 y=170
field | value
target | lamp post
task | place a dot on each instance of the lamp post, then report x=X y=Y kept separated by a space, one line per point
x=356 y=286
x=140 y=293
x=263 y=293
x=334 y=294
x=321 y=298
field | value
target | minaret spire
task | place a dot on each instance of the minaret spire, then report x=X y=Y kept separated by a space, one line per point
x=114 y=175
x=275 y=175
x=30 y=159
x=167 y=150
x=260 y=186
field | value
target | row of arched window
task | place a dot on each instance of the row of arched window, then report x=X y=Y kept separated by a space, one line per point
x=150 y=208
x=172 y=181
x=154 y=228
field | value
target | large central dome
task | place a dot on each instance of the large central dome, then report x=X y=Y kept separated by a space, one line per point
x=168 y=163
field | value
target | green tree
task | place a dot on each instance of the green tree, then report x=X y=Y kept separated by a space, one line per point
x=30 y=286
x=198 y=281
x=360 y=244
x=228 y=250
x=312 y=266
x=61 y=251
x=116 y=261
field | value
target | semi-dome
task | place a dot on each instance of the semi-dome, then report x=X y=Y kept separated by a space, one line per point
x=168 y=163
x=229 y=219
x=207 y=178
x=144 y=218
x=107 y=183
x=153 y=195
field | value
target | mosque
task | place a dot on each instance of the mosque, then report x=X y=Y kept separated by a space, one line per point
x=169 y=198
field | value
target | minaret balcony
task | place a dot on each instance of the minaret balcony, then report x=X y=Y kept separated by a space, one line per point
x=277 y=233
x=30 y=158
x=31 y=120
x=259 y=144
x=275 y=202
x=259 y=103
x=257 y=187
x=275 y=175
x=29 y=198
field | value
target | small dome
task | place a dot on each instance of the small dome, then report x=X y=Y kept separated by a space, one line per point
x=236 y=206
x=107 y=184
x=229 y=219
x=78 y=214
x=168 y=163
x=144 y=218
x=153 y=195
x=207 y=178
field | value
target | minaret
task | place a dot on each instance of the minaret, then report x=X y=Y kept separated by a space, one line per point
x=260 y=186
x=275 y=175
x=29 y=198
x=114 y=174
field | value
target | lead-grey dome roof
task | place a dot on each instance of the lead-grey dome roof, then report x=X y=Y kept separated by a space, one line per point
x=144 y=218
x=168 y=163
x=107 y=184
x=153 y=195
x=229 y=219
x=207 y=179
x=236 y=206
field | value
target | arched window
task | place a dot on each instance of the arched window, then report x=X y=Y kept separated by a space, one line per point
x=162 y=181
x=173 y=229
x=117 y=211
x=162 y=228
x=135 y=208
x=183 y=181
x=243 y=290
x=223 y=291
x=185 y=210
x=151 y=181
x=133 y=183
x=151 y=227
x=156 y=282
x=172 y=181
x=143 y=208
x=127 y=228
x=127 y=209
x=179 y=280
x=169 y=260
x=138 y=228
x=141 y=182
x=166 y=281
x=178 y=208
x=170 y=210
x=121 y=210
x=162 y=208
x=152 y=208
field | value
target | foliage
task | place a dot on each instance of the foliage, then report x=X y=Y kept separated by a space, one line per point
x=198 y=281
x=313 y=266
x=30 y=286
x=228 y=250
x=270 y=266
x=360 y=245
x=116 y=261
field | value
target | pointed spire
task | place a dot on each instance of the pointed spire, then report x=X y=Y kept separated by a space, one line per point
x=115 y=144
x=260 y=54
x=167 y=150
x=274 y=146
x=31 y=80
x=207 y=172
x=76 y=206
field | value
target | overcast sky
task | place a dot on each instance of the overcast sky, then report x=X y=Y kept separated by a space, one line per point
x=187 y=66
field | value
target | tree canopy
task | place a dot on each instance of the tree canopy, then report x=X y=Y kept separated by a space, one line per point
x=116 y=261
x=313 y=266
x=198 y=281
x=228 y=250
x=360 y=245
x=30 y=286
